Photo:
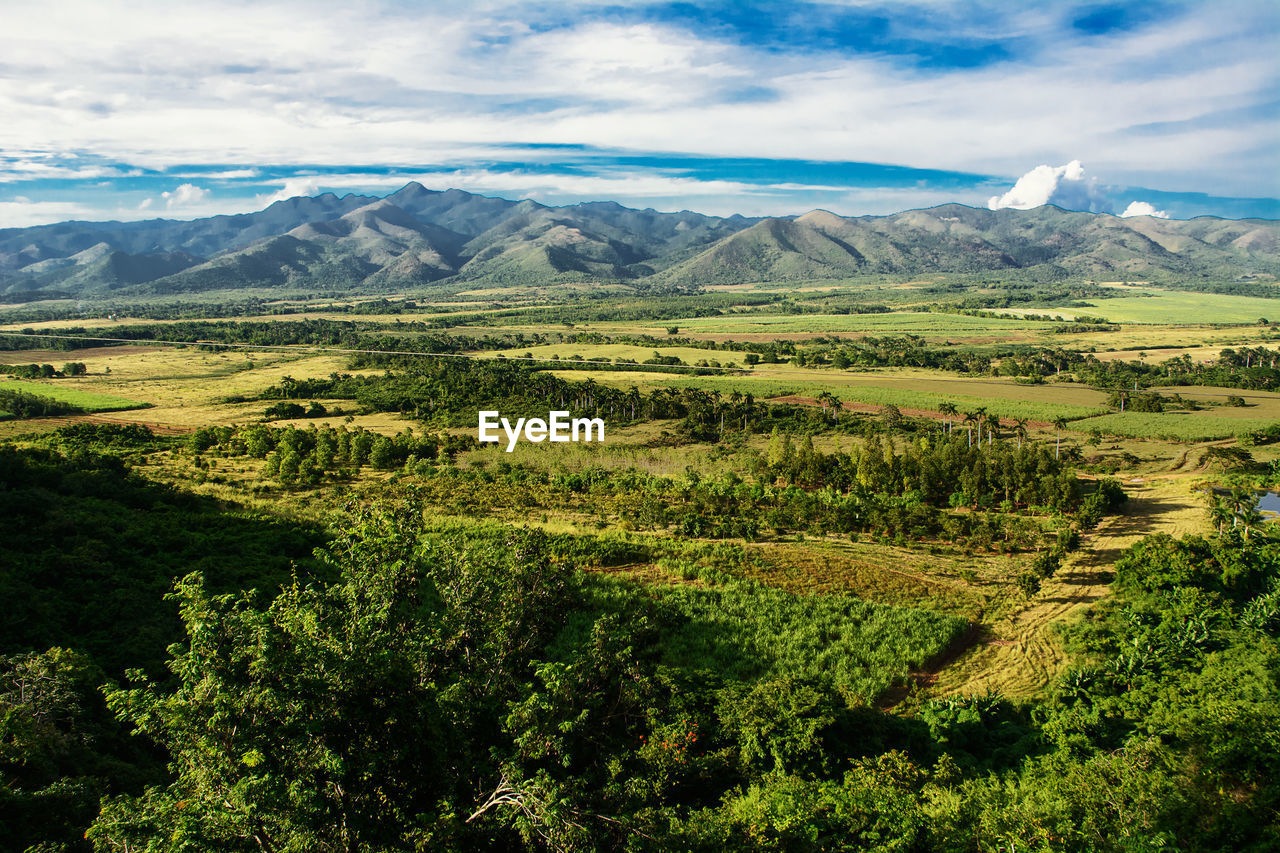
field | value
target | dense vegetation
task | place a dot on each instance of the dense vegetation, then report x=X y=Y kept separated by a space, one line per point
x=473 y=691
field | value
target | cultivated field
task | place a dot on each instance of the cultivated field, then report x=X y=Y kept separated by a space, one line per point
x=68 y=391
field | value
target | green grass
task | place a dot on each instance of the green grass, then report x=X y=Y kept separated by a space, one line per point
x=619 y=352
x=1171 y=426
x=87 y=400
x=1180 y=307
x=878 y=324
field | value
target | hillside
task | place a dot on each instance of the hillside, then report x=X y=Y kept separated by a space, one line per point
x=416 y=236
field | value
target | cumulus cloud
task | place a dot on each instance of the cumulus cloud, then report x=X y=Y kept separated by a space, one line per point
x=1065 y=186
x=184 y=196
x=294 y=187
x=1143 y=208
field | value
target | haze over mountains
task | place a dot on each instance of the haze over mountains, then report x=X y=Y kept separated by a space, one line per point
x=416 y=237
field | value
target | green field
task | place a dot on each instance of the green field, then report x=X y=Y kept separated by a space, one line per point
x=90 y=401
x=1191 y=426
x=1163 y=307
x=618 y=352
x=918 y=323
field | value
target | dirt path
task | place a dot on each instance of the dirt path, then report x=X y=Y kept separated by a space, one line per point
x=1022 y=652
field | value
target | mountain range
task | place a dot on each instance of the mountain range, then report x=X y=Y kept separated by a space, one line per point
x=416 y=237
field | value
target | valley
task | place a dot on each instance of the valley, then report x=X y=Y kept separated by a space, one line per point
x=852 y=499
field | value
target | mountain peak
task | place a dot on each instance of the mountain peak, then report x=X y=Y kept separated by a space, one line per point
x=413 y=189
x=821 y=217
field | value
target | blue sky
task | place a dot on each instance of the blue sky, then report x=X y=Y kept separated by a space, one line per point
x=138 y=110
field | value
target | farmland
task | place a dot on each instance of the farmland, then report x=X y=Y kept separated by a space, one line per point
x=1174 y=427
x=908 y=518
x=1163 y=307
x=82 y=398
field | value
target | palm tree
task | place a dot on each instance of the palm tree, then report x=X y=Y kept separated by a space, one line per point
x=835 y=407
x=969 y=418
x=1243 y=505
x=1020 y=430
x=1237 y=502
x=993 y=426
x=827 y=399
x=947 y=410
x=1059 y=424
x=1219 y=512
x=1250 y=520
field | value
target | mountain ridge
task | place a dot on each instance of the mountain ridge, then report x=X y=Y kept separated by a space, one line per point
x=417 y=236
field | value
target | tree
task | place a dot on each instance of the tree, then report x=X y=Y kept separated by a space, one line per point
x=1020 y=430
x=1059 y=424
x=290 y=464
x=382 y=454
x=360 y=715
x=830 y=403
x=948 y=411
x=969 y=419
x=52 y=726
x=1219 y=512
x=1243 y=505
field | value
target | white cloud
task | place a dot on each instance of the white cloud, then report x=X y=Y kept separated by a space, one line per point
x=1143 y=208
x=145 y=203
x=294 y=187
x=185 y=195
x=1064 y=186
x=269 y=82
x=20 y=214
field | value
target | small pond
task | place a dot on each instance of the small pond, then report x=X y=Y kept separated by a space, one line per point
x=1269 y=503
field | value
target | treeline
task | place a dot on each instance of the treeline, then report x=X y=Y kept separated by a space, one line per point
x=44 y=371
x=415 y=336
x=449 y=392
x=981 y=498
x=1250 y=367
x=309 y=457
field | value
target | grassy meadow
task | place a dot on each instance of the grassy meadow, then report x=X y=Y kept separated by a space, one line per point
x=1164 y=307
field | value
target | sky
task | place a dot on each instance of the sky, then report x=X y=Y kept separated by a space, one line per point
x=115 y=110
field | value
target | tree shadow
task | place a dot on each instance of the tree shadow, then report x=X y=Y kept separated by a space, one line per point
x=91 y=550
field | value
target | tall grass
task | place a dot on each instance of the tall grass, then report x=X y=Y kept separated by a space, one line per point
x=746 y=631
